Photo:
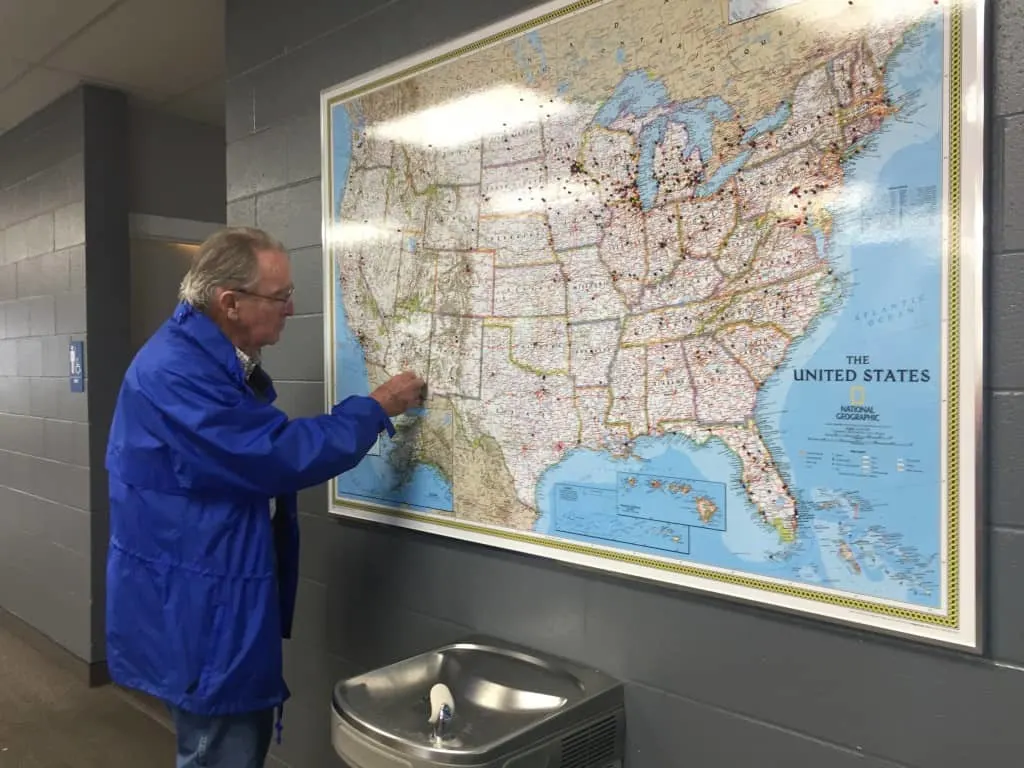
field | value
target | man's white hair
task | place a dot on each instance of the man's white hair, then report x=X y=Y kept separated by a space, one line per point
x=227 y=259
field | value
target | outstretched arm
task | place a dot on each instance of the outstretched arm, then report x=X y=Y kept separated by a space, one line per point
x=226 y=441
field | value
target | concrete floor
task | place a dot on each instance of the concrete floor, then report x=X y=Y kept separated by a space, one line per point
x=49 y=718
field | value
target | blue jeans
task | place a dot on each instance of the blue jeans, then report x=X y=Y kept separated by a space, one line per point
x=230 y=741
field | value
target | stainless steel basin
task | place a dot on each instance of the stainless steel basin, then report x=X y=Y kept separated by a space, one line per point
x=507 y=699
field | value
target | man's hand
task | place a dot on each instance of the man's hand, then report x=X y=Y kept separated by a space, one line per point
x=400 y=393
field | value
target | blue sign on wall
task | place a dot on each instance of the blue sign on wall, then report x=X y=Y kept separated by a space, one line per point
x=77 y=366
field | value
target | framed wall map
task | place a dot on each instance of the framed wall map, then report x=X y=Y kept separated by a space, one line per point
x=696 y=288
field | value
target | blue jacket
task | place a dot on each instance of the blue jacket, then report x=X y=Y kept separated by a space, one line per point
x=201 y=582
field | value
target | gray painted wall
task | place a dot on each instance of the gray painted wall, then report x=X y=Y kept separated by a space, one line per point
x=176 y=166
x=45 y=510
x=64 y=218
x=108 y=314
x=69 y=176
x=710 y=684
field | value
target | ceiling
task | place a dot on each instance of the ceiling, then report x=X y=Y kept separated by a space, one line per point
x=167 y=53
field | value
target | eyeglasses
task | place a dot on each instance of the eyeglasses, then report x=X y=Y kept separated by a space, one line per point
x=283 y=299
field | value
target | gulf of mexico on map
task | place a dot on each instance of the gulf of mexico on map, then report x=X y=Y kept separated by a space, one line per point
x=674 y=273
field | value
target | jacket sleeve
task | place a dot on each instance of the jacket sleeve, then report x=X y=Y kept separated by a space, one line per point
x=224 y=440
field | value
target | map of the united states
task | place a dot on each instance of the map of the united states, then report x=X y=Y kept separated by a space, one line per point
x=608 y=231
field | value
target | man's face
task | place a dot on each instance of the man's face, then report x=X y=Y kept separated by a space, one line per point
x=261 y=310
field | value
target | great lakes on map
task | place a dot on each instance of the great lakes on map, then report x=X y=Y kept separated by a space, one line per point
x=673 y=273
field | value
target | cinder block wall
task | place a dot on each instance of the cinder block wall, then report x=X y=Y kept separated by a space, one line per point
x=70 y=176
x=45 y=506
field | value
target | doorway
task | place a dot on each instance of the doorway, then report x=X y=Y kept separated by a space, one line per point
x=157 y=268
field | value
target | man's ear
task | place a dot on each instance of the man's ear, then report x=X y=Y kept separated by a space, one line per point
x=227 y=303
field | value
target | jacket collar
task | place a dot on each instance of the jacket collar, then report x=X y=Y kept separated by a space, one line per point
x=210 y=338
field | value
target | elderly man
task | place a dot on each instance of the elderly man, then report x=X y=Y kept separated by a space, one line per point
x=203 y=560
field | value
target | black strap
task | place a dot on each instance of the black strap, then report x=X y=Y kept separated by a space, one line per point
x=259 y=382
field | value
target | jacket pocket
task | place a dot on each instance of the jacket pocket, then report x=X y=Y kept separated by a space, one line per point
x=201 y=625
